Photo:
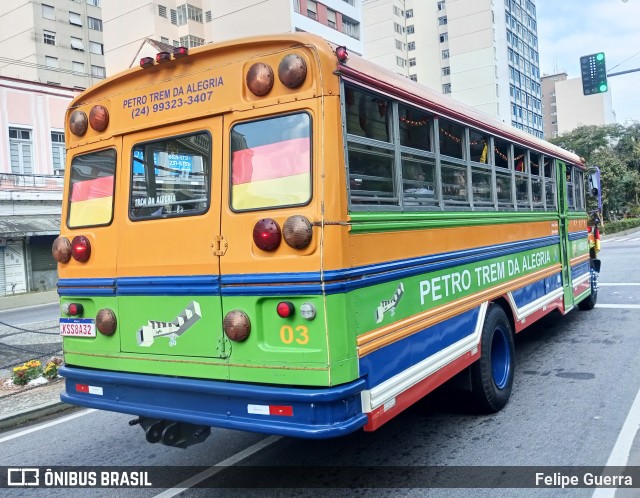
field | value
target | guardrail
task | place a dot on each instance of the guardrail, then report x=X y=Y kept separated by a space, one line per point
x=13 y=181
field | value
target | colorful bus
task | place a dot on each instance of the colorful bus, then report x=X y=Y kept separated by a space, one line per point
x=274 y=235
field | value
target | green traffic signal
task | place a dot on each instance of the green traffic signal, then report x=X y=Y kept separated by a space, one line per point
x=594 y=73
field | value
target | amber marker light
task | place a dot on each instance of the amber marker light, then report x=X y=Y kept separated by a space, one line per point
x=297 y=232
x=106 y=322
x=260 y=79
x=292 y=71
x=61 y=250
x=78 y=123
x=236 y=325
x=99 y=118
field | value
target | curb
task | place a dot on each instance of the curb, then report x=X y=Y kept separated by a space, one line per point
x=32 y=414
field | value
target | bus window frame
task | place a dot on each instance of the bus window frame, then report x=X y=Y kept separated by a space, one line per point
x=311 y=160
x=71 y=185
x=208 y=167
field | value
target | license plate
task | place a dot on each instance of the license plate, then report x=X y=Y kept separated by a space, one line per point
x=78 y=327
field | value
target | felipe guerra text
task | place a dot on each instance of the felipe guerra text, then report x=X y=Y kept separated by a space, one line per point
x=588 y=479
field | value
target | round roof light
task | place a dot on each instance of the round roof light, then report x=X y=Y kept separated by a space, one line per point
x=236 y=325
x=297 y=232
x=267 y=234
x=260 y=79
x=342 y=54
x=99 y=118
x=292 y=71
x=106 y=321
x=78 y=123
x=61 y=250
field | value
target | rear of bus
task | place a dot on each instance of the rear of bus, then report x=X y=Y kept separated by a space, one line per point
x=193 y=246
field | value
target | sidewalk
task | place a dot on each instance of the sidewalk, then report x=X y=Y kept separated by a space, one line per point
x=24 y=404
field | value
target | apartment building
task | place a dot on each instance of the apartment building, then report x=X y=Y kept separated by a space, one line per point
x=565 y=107
x=481 y=52
x=130 y=25
x=57 y=42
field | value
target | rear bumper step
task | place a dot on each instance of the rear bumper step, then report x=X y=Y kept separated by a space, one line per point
x=299 y=412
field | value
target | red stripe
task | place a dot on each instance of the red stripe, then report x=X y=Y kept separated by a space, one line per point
x=285 y=411
x=92 y=189
x=267 y=162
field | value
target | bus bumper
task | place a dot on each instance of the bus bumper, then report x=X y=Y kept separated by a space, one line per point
x=315 y=413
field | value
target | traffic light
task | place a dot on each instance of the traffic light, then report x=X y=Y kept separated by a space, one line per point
x=594 y=74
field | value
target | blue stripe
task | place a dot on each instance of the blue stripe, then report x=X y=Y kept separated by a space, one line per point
x=318 y=412
x=578 y=235
x=393 y=359
x=536 y=290
x=308 y=283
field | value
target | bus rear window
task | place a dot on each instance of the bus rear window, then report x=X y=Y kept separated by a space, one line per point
x=170 y=177
x=92 y=183
x=271 y=162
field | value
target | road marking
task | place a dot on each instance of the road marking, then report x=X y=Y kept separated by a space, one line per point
x=30 y=307
x=621 y=451
x=218 y=467
x=46 y=425
x=616 y=284
x=619 y=306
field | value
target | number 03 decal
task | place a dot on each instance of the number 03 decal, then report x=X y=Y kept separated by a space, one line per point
x=300 y=334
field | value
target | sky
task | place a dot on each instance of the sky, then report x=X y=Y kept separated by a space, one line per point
x=569 y=29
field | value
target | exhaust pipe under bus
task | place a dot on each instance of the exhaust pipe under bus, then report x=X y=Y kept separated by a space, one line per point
x=169 y=433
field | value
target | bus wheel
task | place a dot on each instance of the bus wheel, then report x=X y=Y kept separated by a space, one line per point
x=590 y=302
x=492 y=374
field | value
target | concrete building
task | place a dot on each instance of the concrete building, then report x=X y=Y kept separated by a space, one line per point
x=481 y=52
x=32 y=158
x=57 y=42
x=565 y=107
x=130 y=24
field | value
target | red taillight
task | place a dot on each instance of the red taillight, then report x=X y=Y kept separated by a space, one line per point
x=80 y=248
x=267 y=234
x=285 y=309
x=342 y=54
x=61 y=250
x=99 y=118
x=260 y=79
x=163 y=57
x=106 y=321
x=147 y=62
x=73 y=309
x=180 y=52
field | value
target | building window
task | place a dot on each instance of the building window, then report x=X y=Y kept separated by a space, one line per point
x=350 y=2
x=20 y=151
x=446 y=88
x=409 y=13
x=48 y=12
x=413 y=77
x=441 y=5
x=312 y=9
x=51 y=62
x=411 y=46
x=331 y=18
x=399 y=44
x=95 y=24
x=164 y=39
x=78 y=67
x=95 y=3
x=96 y=48
x=445 y=54
x=442 y=21
x=75 y=19
x=98 y=72
x=350 y=27
x=446 y=71
x=194 y=13
x=412 y=62
x=411 y=29
x=400 y=61
x=444 y=37
x=191 y=41
x=162 y=11
x=397 y=11
x=76 y=44
x=58 y=151
x=398 y=28
x=174 y=17
x=207 y=16
x=49 y=37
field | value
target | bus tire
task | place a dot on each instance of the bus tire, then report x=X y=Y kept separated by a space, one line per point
x=590 y=302
x=492 y=374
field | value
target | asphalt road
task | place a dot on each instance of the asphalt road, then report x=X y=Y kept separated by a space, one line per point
x=577 y=377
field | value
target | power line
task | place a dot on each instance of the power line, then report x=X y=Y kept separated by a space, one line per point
x=34 y=65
